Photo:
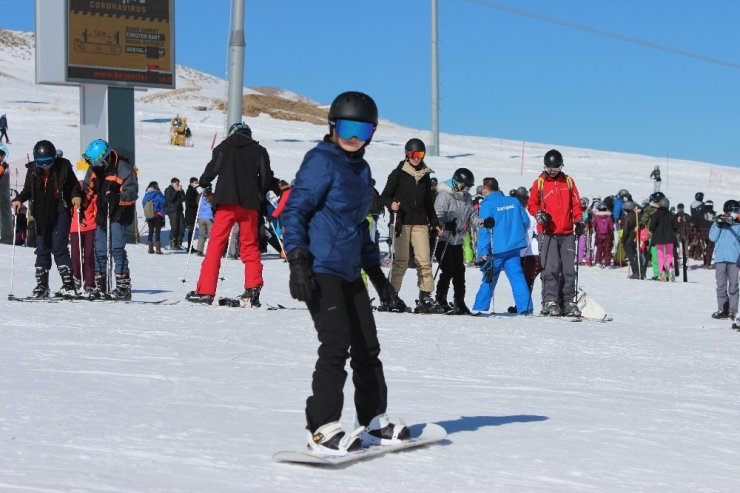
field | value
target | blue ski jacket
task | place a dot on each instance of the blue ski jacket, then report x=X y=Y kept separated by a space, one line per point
x=158 y=202
x=510 y=226
x=726 y=241
x=327 y=212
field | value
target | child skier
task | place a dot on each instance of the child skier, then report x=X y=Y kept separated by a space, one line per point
x=603 y=227
x=53 y=189
x=327 y=241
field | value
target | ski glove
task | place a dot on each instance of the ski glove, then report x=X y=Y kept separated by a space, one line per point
x=301 y=283
x=488 y=222
x=451 y=225
x=387 y=294
x=112 y=198
x=542 y=217
x=579 y=228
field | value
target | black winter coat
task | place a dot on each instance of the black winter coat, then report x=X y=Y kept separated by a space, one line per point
x=664 y=227
x=192 y=198
x=60 y=187
x=243 y=169
x=416 y=197
x=173 y=200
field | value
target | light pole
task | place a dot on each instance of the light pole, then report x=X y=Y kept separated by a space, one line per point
x=236 y=64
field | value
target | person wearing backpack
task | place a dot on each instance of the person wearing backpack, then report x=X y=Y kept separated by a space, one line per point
x=554 y=202
x=603 y=224
x=154 y=202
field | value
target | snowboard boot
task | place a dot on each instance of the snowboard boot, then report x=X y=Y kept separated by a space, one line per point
x=195 y=297
x=151 y=248
x=158 y=247
x=550 y=309
x=250 y=298
x=426 y=304
x=570 y=309
x=460 y=308
x=100 y=291
x=719 y=314
x=68 y=284
x=122 y=290
x=381 y=431
x=330 y=439
x=42 y=284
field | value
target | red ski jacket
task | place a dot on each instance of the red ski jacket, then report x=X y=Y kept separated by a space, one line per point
x=558 y=197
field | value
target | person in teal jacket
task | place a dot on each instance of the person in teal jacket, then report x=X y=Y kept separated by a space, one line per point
x=500 y=240
x=725 y=234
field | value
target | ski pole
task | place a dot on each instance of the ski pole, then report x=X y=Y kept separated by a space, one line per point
x=637 y=245
x=12 y=261
x=392 y=236
x=79 y=243
x=578 y=251
x=441 y=258
x=190 y=242
x=268 y=226
x=220 y=277
x=108 y=256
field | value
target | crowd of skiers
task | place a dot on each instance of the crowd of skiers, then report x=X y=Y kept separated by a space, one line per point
x=327 y=219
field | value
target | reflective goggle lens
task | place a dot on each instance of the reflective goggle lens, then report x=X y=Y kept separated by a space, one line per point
x=417 y=154
x=735 y=210
x=347 y=129
x=44 y=162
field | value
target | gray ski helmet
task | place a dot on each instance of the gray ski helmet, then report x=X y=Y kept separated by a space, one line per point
x=664 y=202
x=522 y=192
x=622 y=193
x=353 y=105
x=241 y=128
x=628 y=206
x=699 y=196
x=464 y=177
x=553 y=159
x=415 y=145
x=709 y=203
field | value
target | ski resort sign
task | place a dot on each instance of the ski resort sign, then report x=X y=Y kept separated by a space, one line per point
x=126 y=43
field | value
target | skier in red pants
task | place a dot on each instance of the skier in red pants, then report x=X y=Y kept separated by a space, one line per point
x=243 y=167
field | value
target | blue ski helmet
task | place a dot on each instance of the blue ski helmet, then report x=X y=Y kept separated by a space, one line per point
x=96 y=152
x=6 y=153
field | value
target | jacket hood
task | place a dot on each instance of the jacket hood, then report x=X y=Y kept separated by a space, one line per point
x=239 y=140
x=417 y=173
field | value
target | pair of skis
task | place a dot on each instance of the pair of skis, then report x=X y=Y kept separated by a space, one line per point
x=59 y=299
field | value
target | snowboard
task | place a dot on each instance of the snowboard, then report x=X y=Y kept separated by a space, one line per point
x=421 y=434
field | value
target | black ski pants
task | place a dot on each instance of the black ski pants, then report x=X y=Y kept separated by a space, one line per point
x=345 y=326
x=452 y=266
x=177 y=227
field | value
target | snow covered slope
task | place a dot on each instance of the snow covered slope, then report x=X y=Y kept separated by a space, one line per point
x=183 y=398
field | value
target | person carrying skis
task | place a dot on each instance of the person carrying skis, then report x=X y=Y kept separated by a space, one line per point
x=327 y=242
x=500 y=240
x=555 y=204
x=408 y=195
x=112 y=183
x=53 y=190
x=243 y=168
x=725 y=234
x=453 y=207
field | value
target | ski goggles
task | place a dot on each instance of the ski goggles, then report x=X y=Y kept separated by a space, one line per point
x=417 y=154
x=347 y=129
x=44 y=162
x=735 y=210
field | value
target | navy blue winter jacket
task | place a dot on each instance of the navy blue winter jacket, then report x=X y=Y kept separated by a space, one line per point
x=327 y=212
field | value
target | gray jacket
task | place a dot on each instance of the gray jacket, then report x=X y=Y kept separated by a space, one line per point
x=457 y=206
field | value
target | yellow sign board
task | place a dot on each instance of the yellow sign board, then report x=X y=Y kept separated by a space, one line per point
x=121 y=42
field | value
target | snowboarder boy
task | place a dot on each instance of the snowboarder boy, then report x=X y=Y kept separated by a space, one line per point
x=53 y=189
x=327 y=241
x=112 y=183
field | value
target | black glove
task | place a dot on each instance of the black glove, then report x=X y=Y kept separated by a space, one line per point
x=451 y=225
x=542 y=217
x=489 y=222
x=112 y=197
x=301 y=283
x=720 y=220
x=579 y=228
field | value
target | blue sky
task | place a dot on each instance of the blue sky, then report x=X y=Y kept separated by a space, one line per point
x=502 y=75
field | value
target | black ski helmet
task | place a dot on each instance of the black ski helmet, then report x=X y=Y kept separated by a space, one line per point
x=353 y=105
x=512 y=192
x=622 y=193
x=415 y=145
x=44 y=153
x=664 y=202
x=628 y=206
x=553 y=159
x=656 y=196
x=729 y=205
x=522 y=192
x=699 y=196
x=464 y=177
x=240 y=128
